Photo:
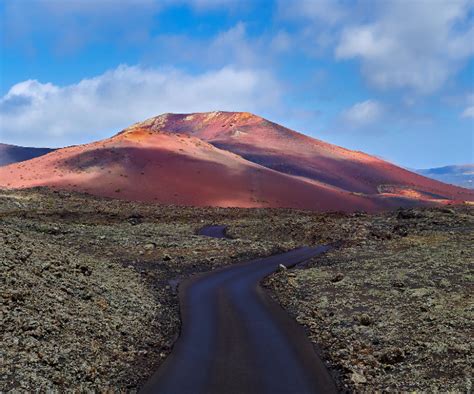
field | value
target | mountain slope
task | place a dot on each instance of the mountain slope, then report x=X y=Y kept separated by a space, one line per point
x=285 y=150
x=13 y=154
x=173 y=169
x=228 y=159
x=460 y=175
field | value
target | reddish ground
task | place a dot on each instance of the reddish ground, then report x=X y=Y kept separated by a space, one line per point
x=228 y=159
x=285 y=150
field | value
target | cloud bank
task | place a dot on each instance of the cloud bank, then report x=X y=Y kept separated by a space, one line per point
x=35 y=113
x=363 y=113
x=415 y=45
x=468 y=112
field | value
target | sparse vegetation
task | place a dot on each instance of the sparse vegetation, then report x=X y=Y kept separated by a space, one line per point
x=90 y=288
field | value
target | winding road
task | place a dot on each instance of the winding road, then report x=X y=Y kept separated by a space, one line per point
x=236 y=339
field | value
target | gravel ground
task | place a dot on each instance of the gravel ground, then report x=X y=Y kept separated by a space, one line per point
x=89 y=286
x=89 y=289
x=392 y=308
x=67 y=317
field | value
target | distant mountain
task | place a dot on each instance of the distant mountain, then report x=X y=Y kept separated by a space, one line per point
x=461 y=175
x=229 y=159
x=13 y=154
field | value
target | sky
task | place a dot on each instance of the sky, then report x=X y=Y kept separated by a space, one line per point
x=393 y=78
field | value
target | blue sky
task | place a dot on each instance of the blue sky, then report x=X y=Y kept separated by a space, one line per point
x=394 y=78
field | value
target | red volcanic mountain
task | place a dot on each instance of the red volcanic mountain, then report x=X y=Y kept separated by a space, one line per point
x=284 y=150
x=229 y=159
x=13 y=154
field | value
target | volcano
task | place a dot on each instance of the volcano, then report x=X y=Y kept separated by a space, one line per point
x=229 y=159
x=13 y=154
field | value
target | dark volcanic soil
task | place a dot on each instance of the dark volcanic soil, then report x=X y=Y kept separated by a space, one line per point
x=89 y=289
x=392 y=308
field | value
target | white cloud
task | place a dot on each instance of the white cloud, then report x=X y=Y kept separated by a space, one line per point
x=281 y=42
x=411 y=44
x=326 y=11
x=363 y=113
x=231 y=46
x=205 y=4
x=35 y=113
x=316 y=24
x=365 y=42
x=72 y=25
x=468 y=112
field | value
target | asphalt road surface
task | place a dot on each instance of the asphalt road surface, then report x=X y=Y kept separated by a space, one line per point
x=236 y=339
x=213 y=231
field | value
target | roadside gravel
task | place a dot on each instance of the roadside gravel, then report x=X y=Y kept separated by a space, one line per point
x=392 y=308
x=89 y=289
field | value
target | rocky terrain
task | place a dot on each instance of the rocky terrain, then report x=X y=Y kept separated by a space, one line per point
x=89 y=288
x=392 y=308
